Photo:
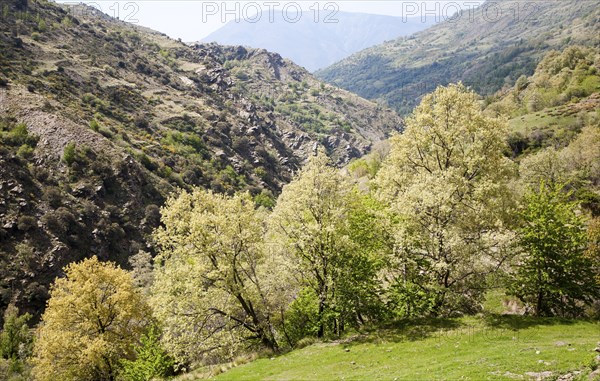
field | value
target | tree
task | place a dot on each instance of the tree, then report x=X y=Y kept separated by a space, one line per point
x=209 y=291
x=582 y=156
x=554 y=274
x=576 y=167
x=141 y=270
x=94 y=318
x=593 y=246
x=445 y=183
x=547 y=165
x=359 y=289
x=151 y=361
x=323 y=226
x=15 y=338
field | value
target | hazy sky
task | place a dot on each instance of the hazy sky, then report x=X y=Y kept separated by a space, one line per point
x=192 y=20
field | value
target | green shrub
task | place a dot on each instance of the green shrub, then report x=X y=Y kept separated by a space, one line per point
x=106 y=132
x=261 y=173
x=406 y=299
x=94 y=125
x=42 y=174
x=25 y=223
x=151 y=362
x=41 y=26
x=302 y=317
x=18 y=136
x=555 y=277
x=141 y=122
x=242 y=76
x=66 y=22
x=265 y=199
x=60 y=221
x=152 y=215
x=70 y=153
x=146 y=162
x=15 y=339
x=53 y=196
x=193 y=176
x=25 y=151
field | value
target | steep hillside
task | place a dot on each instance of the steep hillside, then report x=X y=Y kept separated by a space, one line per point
x=486 y=48
x=101 y=120
x=316 y=45
x=555 y=119
x=549 y=108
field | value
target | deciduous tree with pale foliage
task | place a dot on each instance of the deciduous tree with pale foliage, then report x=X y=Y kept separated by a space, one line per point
x=328 y=232
x=94 y=318
x=445 y=182
x=212 y=291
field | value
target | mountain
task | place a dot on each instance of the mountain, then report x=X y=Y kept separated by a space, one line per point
x=315 y=45
x=101 y=120
x=486 y=48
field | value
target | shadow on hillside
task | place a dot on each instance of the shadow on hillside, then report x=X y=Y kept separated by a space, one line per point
x=518 y=322
x=407 y=330
x=443 y=328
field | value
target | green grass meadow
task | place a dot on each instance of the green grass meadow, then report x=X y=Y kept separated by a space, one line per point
x=476 y=348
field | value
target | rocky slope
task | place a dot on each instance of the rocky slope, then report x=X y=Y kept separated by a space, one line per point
x=100 y=121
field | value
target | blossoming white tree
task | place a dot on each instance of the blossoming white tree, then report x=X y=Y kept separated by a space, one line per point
x=210 y=291
x=445 y=181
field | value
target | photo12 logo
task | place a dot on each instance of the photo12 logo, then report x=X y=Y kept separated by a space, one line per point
x=253 y=11
x=327 y=12
x=125 y=11
x=324 y=12
x=453 y=11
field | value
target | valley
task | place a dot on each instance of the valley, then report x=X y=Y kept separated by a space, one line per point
x=426 y=208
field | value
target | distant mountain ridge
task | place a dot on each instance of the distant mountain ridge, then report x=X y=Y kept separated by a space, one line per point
x=484 y=51
x=316 y=43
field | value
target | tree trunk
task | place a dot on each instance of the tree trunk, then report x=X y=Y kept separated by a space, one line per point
x=269 y=341
x=267 y=338
x=539 y=303
x=321 y=331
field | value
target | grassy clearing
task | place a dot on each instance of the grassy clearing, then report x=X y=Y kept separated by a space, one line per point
x=547 y=119
x=485 y=348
